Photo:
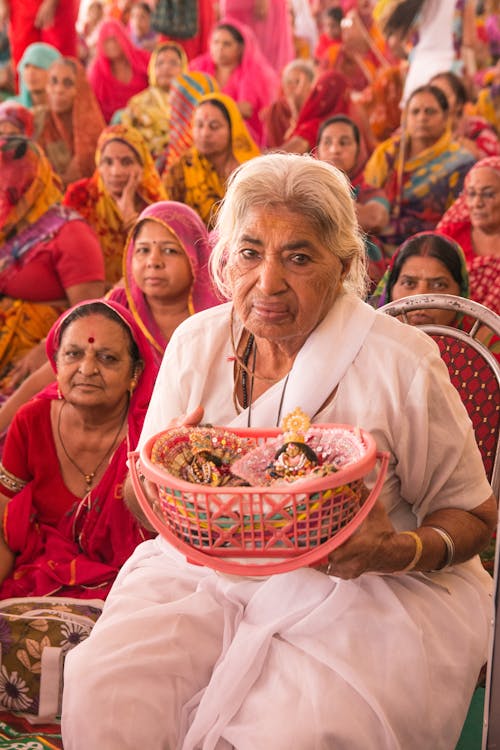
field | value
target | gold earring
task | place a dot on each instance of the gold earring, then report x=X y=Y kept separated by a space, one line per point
x=133 y=385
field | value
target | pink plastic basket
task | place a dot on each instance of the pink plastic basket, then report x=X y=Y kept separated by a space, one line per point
x=259 y=530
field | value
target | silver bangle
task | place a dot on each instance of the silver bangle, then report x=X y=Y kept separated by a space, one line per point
x=450 y=545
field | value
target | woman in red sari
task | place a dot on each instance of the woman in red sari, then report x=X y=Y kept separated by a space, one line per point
x=238 y=65
x=119 y=70
x=328 y=97
x=66 y=529
x=474 y=222
x=68 y=128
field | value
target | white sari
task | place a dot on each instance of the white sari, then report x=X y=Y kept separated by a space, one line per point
x=187 y=659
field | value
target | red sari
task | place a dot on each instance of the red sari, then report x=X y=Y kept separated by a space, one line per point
x=111 y=93
x=484 y=270
x=66 y=545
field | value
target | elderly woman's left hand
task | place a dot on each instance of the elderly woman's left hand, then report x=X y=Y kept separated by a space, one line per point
x=370 y=548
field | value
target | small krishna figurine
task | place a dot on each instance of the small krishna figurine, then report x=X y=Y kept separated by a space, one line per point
x=294 y=459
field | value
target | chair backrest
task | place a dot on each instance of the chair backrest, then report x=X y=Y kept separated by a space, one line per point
x=475 y=372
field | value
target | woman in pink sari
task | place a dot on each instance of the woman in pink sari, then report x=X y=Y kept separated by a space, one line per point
x=156 y=307
x=119 y=70
x=238 y=65
x=67 y=530
x=271 y=22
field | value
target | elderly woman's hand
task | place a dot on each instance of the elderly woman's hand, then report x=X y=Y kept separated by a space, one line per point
x=371 y=548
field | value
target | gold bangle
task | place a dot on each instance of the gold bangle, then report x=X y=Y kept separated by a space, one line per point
x=450 y=546
x=419 y=548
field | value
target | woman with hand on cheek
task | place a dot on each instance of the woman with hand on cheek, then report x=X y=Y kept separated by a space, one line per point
x=124 y=183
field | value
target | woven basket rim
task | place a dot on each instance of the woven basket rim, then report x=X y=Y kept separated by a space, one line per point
x=350 y=473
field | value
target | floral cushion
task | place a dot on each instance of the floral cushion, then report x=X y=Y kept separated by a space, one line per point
x=35 y=636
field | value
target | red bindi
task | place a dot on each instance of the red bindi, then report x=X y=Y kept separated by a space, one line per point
x=91 y=339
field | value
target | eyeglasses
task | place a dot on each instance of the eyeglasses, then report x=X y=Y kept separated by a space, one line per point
x=484 y=195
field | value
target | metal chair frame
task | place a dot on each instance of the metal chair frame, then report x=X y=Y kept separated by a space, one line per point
x=482 y=316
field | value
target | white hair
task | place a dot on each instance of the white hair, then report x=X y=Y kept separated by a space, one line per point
x=303 y=185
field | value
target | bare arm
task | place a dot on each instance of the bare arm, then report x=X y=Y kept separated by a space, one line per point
x=34 y=383
x=377 y=547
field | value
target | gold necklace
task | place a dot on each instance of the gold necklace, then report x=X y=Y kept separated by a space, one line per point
x=89 y=477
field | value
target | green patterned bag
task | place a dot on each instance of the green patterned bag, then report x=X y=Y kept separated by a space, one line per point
x=35 y=636
x=177 y=18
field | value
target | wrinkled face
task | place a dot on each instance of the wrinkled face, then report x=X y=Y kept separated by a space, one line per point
x=118 y=162
x=426 y=275
x=283 y=278
x=211 y=131
x=483 y=199
x=35 y=79
x=425 y=121
x=338 y=146
x=61 y=88
x=224 y=49
x=168 y=66
x=140 y=21
x=160 y=266
x=94 y=366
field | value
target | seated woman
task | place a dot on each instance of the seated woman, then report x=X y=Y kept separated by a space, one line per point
x=165 y=271
x=328 y=97
x=421 y=169
x=140 y=30
x=221 y=142
x=15 y=119
x=32 y=70
x=399 y=591
x=41 y=249
x=69 y=126
x=281 y=115
x=186 y=91
x=426 y=263
x=473 y=132
x=149 y=111
x=165 y=280
x=67 y=530
x=360 y=54
x=236 y=62
x=124 y=182
x=474 y=222
x=119 y=70
x=271 y=24
x=339 y=144
x=429 y=263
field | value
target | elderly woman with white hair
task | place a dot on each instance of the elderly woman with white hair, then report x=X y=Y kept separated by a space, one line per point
x=381 y=646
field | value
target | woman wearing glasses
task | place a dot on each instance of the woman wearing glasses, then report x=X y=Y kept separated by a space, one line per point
x=474 y=222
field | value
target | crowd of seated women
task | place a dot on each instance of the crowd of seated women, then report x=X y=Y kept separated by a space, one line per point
x=114 y=159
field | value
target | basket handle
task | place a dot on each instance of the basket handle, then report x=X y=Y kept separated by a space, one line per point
x=144 y=504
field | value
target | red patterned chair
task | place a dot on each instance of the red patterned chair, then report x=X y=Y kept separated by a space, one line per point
x=475 y=372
